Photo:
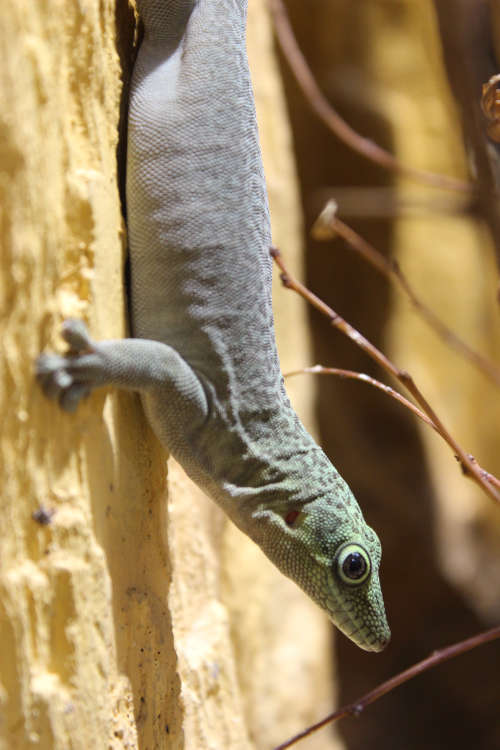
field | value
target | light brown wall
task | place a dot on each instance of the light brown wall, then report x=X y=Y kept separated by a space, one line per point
x=136 y=618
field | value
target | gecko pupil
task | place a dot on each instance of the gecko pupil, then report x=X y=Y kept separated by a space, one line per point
x=354 y=566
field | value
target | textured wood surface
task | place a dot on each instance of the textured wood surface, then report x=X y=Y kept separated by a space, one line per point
x=126 y=621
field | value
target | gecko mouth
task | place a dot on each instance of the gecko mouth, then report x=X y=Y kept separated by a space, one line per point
x=363 y=636
x=377 y=645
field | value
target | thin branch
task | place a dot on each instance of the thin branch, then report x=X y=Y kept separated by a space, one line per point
x=352 y=375
x=491 y=478
x=490 y=104
x=321 y=106
x=469 y=467
x=436 y=658
x=395 y=200
x=328 y=225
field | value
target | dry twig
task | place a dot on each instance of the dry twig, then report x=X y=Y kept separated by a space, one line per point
x=352 y=375
x=438 y=657
x=470 y=467
x=328 y=225
x=322 y=107
x=490 y=104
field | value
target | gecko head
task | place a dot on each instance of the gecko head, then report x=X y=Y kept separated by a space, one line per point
x=326 y=547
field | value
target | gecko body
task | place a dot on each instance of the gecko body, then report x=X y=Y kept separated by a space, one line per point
x=203 y=354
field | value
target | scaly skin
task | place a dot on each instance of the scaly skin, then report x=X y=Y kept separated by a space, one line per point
x=204 y=355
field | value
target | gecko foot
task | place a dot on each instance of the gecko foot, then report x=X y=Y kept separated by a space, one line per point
x=62 y=378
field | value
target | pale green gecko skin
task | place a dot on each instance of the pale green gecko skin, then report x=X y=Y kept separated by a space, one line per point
x=204 y=356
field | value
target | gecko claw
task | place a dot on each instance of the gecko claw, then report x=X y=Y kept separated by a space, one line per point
x=71 y=397
x=51 y=374
x=75 y=333
x=60 y=376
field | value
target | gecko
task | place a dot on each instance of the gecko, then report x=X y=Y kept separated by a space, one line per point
x=202 y=353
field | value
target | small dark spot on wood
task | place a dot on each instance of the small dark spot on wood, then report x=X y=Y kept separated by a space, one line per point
x=43 y=516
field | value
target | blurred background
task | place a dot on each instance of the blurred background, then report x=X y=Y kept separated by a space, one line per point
x=407 y=74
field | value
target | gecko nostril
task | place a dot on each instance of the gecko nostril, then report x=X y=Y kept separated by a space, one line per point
x=383 y=642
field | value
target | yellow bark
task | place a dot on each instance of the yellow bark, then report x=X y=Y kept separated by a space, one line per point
x=122 y=624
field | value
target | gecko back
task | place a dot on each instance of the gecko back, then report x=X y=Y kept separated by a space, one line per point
x=204 y=355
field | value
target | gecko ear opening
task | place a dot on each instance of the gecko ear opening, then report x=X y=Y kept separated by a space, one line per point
x=291 y=517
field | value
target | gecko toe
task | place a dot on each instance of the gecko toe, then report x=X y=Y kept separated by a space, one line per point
x=75 y=333
x=46 y=364
x=51 y=374
x=57 y=377
x=71 y=397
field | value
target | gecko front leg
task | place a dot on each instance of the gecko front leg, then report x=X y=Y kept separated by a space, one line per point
x=153 y=369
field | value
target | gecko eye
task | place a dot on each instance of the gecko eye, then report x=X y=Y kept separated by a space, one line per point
x=353 y=564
